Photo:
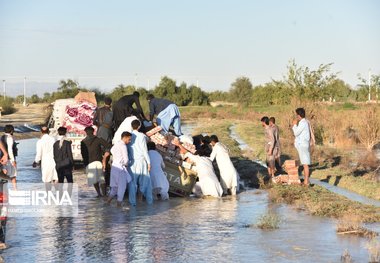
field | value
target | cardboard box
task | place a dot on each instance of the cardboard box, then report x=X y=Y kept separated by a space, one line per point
x=291 y=163
x=293 y=170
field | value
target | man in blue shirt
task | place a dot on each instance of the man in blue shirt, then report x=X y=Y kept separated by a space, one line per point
x=301 y=130
x=167 y=114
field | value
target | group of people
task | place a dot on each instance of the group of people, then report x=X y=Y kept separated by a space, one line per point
x=135 y=165
x=304 y=140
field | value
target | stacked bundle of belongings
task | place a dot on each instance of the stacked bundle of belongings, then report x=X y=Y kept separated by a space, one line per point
x=79 y=114
x=181 y=175
x=291 y=168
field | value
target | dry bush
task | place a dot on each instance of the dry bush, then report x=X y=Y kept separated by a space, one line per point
x=346 y=257
x=369 y=128
x=352 y=224
x=373 y=248
x=369 y=161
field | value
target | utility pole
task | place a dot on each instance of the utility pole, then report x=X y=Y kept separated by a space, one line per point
x=4 y=88
x=24 y=92
x=369 y=85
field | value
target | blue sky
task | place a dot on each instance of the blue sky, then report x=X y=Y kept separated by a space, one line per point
x=105 y=43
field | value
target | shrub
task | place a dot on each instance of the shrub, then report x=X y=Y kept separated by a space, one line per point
x=7 y=106
x=269 y=221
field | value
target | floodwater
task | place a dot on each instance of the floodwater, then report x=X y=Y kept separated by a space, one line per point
x=178 y=230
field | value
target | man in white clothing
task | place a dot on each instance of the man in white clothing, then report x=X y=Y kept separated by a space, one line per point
x=301 y=130
x=120 y=176
x=229 y=177
x=125 y=126
x=208 y=182
x=160 y=183
x=140 y=166
x=45 y=156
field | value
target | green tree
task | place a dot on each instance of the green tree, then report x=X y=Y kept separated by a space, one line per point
x=66 y=89
x=166 y=89
x=7 y=105
x=218 y=96
x=241 y=91
x=120 y=91
x=183 y=95
x=198 y=97
x=46 y=97
x=307 y=83
x=375 y=85
x=337 y=89
x=34 y=99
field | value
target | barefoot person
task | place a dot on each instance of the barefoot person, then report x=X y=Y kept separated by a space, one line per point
x=140 y=167
x=120 y=176
x=160 y=184
x=103 y=119
x=94 y=160
x=301 y=130
x=45 y=156
x=229 y=178
x=277 y=145
x=269 y=145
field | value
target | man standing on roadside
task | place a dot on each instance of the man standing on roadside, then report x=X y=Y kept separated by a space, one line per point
x=301 y=130
x=277 y=145
x=269 y=145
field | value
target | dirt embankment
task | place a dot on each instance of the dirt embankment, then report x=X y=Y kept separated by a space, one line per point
x=33 y=114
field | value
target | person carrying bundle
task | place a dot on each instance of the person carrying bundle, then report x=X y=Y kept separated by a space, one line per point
x=167 y=114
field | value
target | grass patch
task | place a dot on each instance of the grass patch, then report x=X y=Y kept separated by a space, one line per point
x=321 y=202
x=339 y=176
x=352 y=224
x=221 y=129
x=373 y=248
x=268 y=221
x=253 y=135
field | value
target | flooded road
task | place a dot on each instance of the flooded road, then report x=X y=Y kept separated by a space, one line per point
x=178 y=230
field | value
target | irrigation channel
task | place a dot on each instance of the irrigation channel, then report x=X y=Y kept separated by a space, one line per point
x=178 y=230
x=335 y=189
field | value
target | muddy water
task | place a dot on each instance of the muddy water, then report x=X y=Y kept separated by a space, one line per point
x=179 y=230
